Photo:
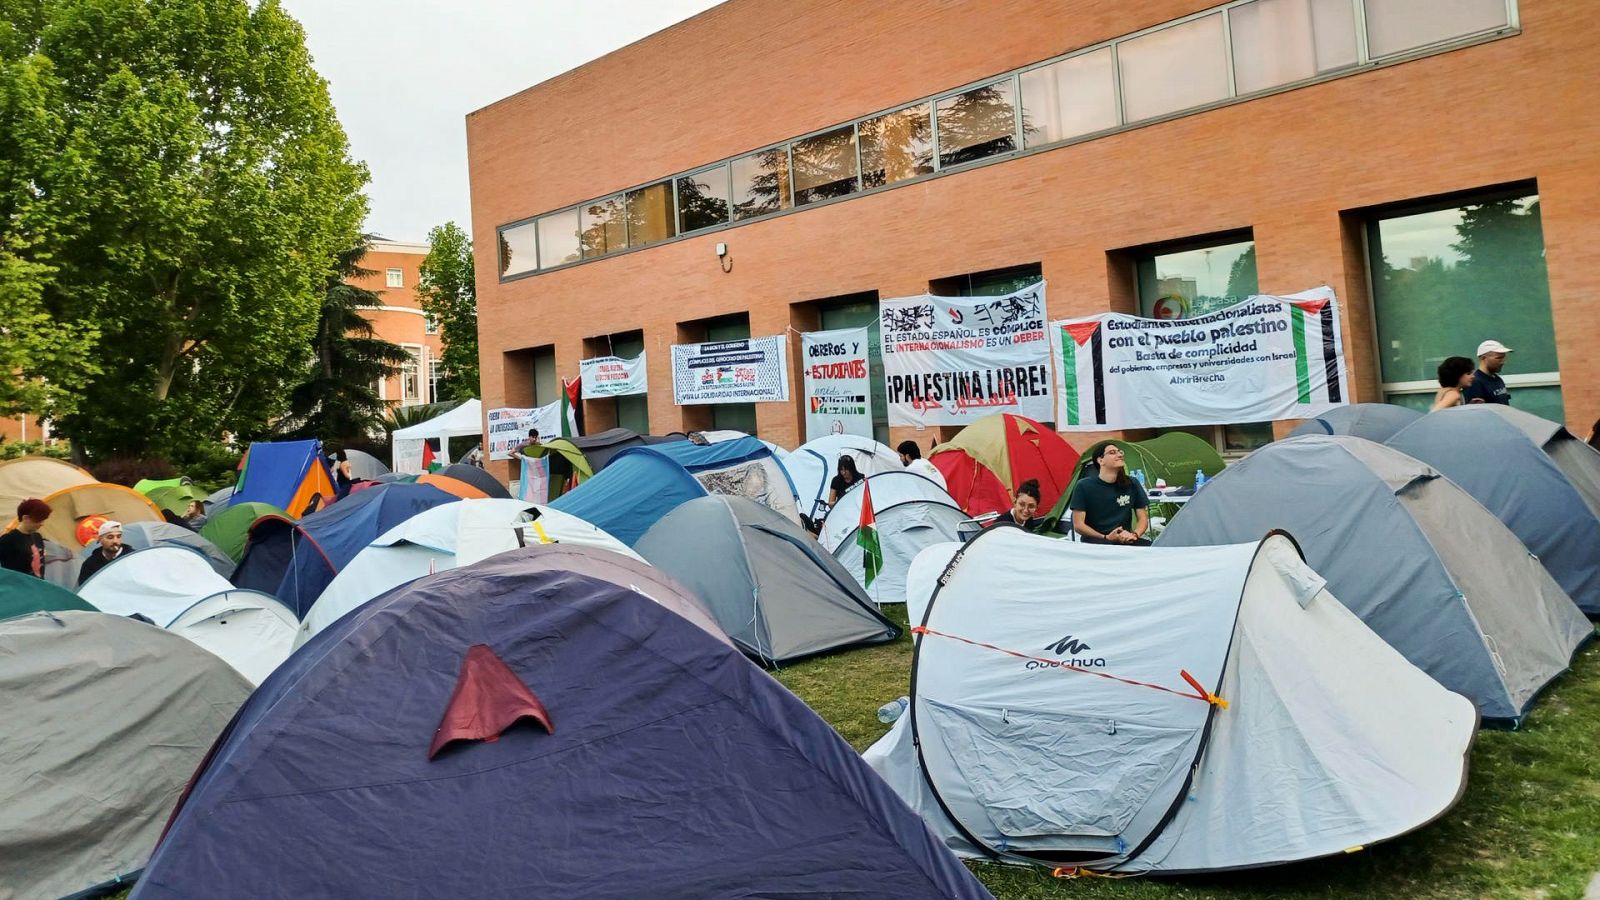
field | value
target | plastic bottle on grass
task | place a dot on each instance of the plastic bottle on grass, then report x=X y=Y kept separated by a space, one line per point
x=1199 y=478
x=893 y=710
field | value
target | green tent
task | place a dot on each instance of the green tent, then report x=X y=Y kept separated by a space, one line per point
x=171 y=494
x=22 y=594
x=566 y=460
x=230 y=528
x=1174 y=456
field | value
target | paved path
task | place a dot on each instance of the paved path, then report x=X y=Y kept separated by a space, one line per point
x=1593 y=892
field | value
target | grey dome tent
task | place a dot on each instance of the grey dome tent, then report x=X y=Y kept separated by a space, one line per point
x=770 y=586
x=1373 y=421
x=1489 y=451
x=105 y=720
x=1130 y=709
x=912 y=513
x=364 y=465
x=1422 y=563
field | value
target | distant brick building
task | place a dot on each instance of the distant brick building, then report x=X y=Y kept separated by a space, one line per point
x=399 y=319
x=1435 y=163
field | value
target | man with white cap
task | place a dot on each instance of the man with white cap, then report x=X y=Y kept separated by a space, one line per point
x=111 y=547
x=1487 y=386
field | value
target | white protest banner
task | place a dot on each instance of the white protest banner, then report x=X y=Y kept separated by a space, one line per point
x=509 y=425
x=950 y=360
x=613 y=376
x=753 y=370
x=838 y=382
x=1262 y=359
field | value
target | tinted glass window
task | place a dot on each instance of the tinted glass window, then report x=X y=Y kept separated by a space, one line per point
x=761 y=183
x=978 y=124
x=703 y=199
x=1173 y=69
x=602 y=227
x=1196 y=282
x=896 y=146
x=649 y=212
x=1279 y=41
x=825 y=166
x=1394 y=26
x=517 y=250
x=558 y=238
x=1065 y=99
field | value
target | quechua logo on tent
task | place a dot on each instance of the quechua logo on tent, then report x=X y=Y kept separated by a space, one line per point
x=1073 y=647
x=1068 y=644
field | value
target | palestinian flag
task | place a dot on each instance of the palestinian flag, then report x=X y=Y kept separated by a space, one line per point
x=430 y=463
x=1083 y=389
x=569 y=406
x=867 y=537
x=1316 y=351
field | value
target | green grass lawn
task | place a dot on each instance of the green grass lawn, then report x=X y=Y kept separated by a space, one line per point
x=1528 y=826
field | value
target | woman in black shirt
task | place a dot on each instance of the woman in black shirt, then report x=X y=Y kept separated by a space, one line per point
x=845 y=478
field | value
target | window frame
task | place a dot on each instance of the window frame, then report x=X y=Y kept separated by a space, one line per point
x=419 y=355
x=394 y=277
x=1365 y=62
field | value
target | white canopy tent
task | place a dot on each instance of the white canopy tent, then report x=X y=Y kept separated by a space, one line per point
x=463 y=421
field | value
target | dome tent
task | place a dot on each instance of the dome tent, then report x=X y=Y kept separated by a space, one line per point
x=478 y=478
x=290 y=475
x=144 y=535
x=357 y=742
x=1163 y=710
x=631 y=494
x=295 y=561
x=812 y=465
x=1486 y=448
x=364 y=465
x=229 y=529
x=23 y=594
x=447 y=537
x=600 y=448
x=771 y=587
x=737 y=465
x=36 y=476
x=70 y=505
x=175 y=588
x=988 y=459
x=1456 y=592
x=911 y=512
x=103 y=707
x=1373 y=421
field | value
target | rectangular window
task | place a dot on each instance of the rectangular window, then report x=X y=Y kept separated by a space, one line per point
x=825 y=166
x=602 y=227
x=896 y=146
x=1279 y=41
x=1395 y=26
x=411 y=377
x=853 y=313
x=633 y=411
x=517 y=250
x=430 y=325
x=394 y=278
x=703 y=199
x=1186 y=280
x=649 y=211
x=546 y=386
x=977 y=124
x=1446 y=278
x=761 y=183
x=435 y=375
x=558 y=238
x=1173 y=69
x=1065 y=99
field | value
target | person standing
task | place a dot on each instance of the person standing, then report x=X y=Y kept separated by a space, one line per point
x=1107 y=506
x=111 y=547
x=1487 y=385
x=911 y=458
x=22 y=548
x=341 y=475
x=1455 y=376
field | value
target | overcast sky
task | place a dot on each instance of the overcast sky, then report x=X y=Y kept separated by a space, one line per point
x=405 y=73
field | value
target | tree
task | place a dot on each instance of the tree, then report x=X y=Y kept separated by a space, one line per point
x=213 y=193
x=449 y=295
x=339 y=400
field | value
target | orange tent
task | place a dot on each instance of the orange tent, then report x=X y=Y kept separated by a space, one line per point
x=453 y=486
x=70 y=505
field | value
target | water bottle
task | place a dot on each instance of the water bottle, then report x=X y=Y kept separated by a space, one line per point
x=1139 y=476
x=1199 y=478
x=892 y=710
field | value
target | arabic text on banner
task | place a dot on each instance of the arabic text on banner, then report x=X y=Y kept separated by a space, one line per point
x=508 y=426
x=950 y=360
x=612 y=376
x=838 y=382
x=752 y=370
x=1262 y=359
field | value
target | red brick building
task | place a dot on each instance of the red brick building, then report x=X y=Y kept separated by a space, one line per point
x=1432 y=162
x=399 y=319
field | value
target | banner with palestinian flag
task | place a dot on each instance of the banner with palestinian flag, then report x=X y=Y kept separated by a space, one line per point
x=1261 y=359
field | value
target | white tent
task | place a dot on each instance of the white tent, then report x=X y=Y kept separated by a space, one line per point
x=464 y=420
x=446 y=537
x=1067 y=703
x=912 y=513
x=812 y=466
x=175 y=587
x=250 y=630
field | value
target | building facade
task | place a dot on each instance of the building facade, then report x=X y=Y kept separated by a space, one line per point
x=772 y=166
x=399 y=319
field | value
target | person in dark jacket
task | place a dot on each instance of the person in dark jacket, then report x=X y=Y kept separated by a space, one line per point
x=111 y=547
x=22 y=548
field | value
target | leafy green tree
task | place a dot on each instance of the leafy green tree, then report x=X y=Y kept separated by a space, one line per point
x=449 y=295
x=213 y=194
x=339 y=400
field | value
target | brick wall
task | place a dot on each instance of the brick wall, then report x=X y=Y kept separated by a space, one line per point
x=1289 y=166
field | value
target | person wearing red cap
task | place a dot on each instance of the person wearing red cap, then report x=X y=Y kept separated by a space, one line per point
x=22 y=548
